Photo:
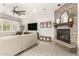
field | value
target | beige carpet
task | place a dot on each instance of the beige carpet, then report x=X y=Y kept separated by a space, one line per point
x=46 y=49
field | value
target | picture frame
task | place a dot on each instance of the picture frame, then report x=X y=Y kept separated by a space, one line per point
x=47 y=24
x=41 y=24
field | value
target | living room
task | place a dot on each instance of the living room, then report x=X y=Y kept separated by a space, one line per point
x=35 y=29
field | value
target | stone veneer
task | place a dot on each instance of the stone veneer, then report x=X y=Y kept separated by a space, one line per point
x=73 y=30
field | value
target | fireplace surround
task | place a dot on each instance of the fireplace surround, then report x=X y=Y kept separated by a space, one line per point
x=63 y=35
x=73 y=30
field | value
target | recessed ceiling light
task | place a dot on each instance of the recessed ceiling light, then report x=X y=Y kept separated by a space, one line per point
x=34 y=10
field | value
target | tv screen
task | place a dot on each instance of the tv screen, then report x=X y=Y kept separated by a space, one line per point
x=32 y=26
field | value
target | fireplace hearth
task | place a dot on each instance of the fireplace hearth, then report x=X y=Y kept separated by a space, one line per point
x=63 y=35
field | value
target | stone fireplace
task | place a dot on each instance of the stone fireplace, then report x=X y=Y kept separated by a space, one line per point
x=63 y=35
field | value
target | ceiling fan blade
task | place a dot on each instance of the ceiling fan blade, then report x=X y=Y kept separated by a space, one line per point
x=18 y=14
x=22 y=13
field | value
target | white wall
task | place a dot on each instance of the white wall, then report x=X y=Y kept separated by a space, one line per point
x=26 y=21
x=40 y=17
x=46 y=31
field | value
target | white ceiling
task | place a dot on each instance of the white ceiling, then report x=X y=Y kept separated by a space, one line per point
x=31 y=8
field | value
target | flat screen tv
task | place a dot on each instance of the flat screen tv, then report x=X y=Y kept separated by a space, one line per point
x=32 y=26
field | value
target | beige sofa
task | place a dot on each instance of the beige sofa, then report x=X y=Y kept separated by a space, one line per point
x=12 y=45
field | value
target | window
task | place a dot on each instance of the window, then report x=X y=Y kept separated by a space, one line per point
x=1 y=27
x=6 y=26
x=64 y=17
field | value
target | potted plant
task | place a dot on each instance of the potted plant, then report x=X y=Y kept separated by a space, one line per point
x=55 y=24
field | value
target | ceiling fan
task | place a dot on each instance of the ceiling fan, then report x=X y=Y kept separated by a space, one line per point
x=17 y=11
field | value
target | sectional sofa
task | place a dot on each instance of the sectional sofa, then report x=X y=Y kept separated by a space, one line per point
x=12 y=45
